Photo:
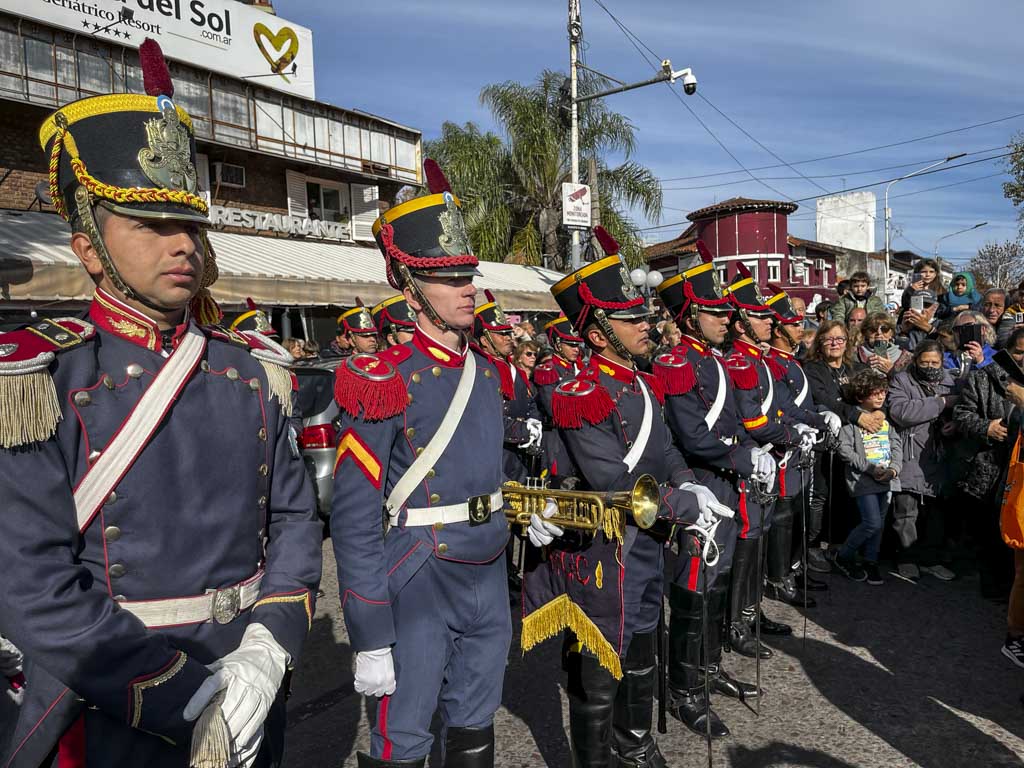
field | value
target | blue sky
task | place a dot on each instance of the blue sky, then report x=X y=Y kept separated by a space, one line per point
x=806 y=79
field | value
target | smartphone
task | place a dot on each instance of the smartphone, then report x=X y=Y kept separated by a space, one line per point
x=965 y=334
x=881 y=349
x=917 y=303
x=917 y=277
x=1018 y=317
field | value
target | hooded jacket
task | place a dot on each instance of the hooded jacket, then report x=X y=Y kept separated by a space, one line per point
x=971 y=297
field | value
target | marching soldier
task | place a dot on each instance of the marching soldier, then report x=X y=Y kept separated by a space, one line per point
x=703 y=415
x=611 y=421
x=764 y=409
x=394 y=320
x=523 y=429
x=424 y=596
x=564 y=364
x=360 y=331
x=158 y=600
x=794 y=481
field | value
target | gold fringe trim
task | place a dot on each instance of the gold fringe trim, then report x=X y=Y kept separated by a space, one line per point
x=29 y=408
x=211 y=739
x=614 y=525
x=280 y=383
x=561 y=614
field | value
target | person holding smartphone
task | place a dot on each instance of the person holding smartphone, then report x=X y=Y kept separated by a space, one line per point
x=925 y=277
x=975 y=340
x=878 y=347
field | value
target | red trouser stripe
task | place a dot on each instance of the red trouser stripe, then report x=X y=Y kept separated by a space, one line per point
x=744 y=516
x=71 y=752
x=691 y=583
x=782 y=482
x=382 y=723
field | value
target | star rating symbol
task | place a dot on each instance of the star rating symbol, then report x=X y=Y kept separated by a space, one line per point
x=85 y=23
x=95 y=27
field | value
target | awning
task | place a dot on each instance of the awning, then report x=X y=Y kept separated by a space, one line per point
x=37 y=265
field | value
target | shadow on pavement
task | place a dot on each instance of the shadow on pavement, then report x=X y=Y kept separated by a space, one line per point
x=781 y=754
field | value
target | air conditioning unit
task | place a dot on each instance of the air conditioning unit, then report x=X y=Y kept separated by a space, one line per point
x=228 y=175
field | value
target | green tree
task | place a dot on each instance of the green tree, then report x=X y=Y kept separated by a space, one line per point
x=1013 y=190
x=511 y=184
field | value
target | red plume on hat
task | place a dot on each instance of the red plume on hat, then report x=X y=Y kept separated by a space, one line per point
x=705 y=253
x=250 y=303
x=359 y=302
x=437 y=182
x=489 y=295
x=155 y=76
x=774 y=289
x=742 y=269
x=608 y=243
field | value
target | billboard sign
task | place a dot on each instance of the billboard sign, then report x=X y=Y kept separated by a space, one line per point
x=220 y=35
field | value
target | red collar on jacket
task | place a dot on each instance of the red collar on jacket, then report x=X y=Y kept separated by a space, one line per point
x=746 y=349
x=787 y=356
x=688 y=342
x=435 y=350
x=561 y=362
x=118 y=319
x=615 y=370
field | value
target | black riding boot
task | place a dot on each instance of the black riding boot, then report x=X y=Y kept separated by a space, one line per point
x=591 y=691
x=781 y=585
x=633 y=742
x=469 y=748
x=365 y=761
x=688 y=702
x=742 y=588
x=721 y=681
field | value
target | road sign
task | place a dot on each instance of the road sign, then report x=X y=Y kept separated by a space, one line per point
x=575 y=206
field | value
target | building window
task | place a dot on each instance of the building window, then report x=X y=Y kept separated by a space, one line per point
x=327 y=202
x=752 y=266
x=723 y=275
x=774 y=271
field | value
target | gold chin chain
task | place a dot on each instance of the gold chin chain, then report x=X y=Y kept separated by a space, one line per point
x=85 y=214
x=606 y=329
x=407 y=281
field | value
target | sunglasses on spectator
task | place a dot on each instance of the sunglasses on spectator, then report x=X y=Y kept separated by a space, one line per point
x=835 y=341
x=529 y=354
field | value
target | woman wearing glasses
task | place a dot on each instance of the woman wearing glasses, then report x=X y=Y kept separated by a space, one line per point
x=525 y=356
x=830 y=364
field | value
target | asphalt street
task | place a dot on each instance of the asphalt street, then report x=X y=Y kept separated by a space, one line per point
x=898 y=675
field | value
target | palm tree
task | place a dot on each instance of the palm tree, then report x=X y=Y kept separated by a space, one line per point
x=511 y=185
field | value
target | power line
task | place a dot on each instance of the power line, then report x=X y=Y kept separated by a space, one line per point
x=892 y=197
x=854 y=152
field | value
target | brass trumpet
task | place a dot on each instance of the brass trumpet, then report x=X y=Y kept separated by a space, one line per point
x=583 y=510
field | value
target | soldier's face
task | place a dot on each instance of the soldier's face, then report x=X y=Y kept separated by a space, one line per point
x=714 y=326
x=634 y=334
x=364 y=342
x=762 y=328
x=501 y=343
x=453 y=298
x=570 y=352
x=161 y=260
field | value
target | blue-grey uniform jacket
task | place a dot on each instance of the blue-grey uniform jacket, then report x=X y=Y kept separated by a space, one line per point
x=219 y=493
x=392 y=404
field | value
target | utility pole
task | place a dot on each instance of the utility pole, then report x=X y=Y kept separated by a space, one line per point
x=575 y=33
x=595 y=198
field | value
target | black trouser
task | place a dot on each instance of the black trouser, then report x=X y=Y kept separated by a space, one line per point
x=919 y=523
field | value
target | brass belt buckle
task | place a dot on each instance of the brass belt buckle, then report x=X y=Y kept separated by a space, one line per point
x=227 y=604
x=479 y=509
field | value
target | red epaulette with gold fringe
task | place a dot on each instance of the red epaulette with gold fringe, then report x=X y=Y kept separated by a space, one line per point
x=741 y=371
x=29 y=408
x=369 y=386
x=545 y=375
x=508 y=384
x=778 y=370
x=578 y=400
x=674 y=373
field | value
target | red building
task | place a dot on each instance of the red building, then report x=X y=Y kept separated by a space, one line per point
x=753 y=232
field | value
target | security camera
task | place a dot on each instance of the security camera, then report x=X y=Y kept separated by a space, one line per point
x=688 y=78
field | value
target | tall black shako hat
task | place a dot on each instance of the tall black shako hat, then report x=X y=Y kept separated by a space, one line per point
x=560 y=330
x=133 y=154
x=602 y=285
x=357 y=320
x=490 y=318
x=695 y=288
x=254 y=319
x=745 y=295
x=782 y=307
x=426 y=235
x=394 y=313
x=136 y=154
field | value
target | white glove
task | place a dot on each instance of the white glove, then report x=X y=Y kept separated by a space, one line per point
x=808 y=437
x=707 y=503
x=375 y=672
x=250 y=676
x=805 y=428
x=536 y=432
x=763 y=461
x=15 y=695
x=832 y=421
x=540 y=531
x=10 y=658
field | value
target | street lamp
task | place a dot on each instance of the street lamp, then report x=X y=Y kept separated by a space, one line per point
x=935 y=252
x=888 y=212
x=665 y=74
